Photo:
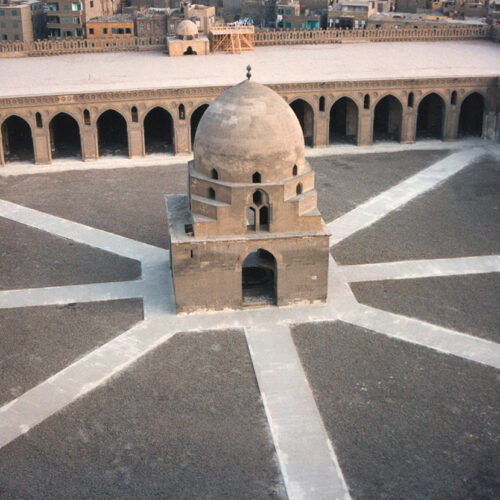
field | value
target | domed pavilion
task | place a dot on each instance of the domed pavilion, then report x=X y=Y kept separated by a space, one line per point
x=249 y=232
x=187 y=40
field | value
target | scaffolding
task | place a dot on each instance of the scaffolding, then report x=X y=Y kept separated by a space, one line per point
x=231 y=38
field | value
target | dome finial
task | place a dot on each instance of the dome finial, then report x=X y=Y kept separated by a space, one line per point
x=249 y=68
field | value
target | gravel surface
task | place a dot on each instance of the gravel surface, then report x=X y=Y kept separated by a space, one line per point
x=30 y=258
x=184 y=422
x=343 y=182
x=36 y=342
x=468 y=304
x=129 y=202
x=460 y=218
x=405 y=421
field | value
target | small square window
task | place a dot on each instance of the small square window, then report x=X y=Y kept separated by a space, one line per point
x=4 y=37
x=66 y=7
x=14 y=12
x=66 y=20
x=127 y=30
x=16 y=37
x=91 y=31
x=2 y=13
x=15 y=24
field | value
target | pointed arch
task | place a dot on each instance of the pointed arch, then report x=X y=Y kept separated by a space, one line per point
x=343 y=126
x=65 y=139
x=305 y=114
x=17 y=140
x=470 y=122
x=387 y=119
x=195 y=120
x=112 y=134
x=430 y=117
x=158 y=131
x=259 y=278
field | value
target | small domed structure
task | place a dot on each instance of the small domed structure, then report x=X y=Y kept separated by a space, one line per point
x=249 y=231
x=186 y=30
x=249 y=128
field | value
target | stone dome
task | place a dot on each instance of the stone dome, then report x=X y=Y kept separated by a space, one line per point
x=186 y=28
x=249 y=128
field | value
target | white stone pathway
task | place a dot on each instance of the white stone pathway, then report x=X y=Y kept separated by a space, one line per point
x=307 y=459
x=409 y=269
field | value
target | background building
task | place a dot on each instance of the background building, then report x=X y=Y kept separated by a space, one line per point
x=67 y=18
x=153 y=22
x=118 y=25
x=23 y=20
x=350 y=14
x=291 y=15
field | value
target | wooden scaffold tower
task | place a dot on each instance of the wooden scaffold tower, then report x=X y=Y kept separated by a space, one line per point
x=231 y=38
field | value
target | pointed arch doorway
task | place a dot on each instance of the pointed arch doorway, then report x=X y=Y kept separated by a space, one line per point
x=259 y=279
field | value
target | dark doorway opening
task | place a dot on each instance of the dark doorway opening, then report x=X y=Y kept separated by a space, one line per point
x=344 y=121
x=158 y=131
x=65 y=136
x=430 y=117
x=112 y=133
x=195 y=120
x=17 y=140
x=387 y=120
x=259 y=280
x=305 y=115
x=190 y=51
x=470 y=123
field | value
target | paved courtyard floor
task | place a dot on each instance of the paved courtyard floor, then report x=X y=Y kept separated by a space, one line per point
x=390 y=390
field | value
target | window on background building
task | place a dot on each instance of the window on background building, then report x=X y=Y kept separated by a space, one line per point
x=91 y=31
x=15 y=24
x=53 y=6
x=16 y=37
x=288 y=12
x=2 y=13
x=67 y=20
x=14 y=12
x=76 y=20
x=66 y=7
x=3 y=25
x=4 y=37
x=113 y=31
x=91 y=3
x=288 y=25
x=76 y=6
x=105 y=31
x=128 y=30
x=79 y=32
x=120 y=31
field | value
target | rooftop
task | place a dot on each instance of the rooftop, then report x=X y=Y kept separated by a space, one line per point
x=282 y=64
x=117 y=18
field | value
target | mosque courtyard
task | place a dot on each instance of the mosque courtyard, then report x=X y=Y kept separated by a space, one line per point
x=390 y=390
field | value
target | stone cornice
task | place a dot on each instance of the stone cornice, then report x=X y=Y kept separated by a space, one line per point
x=87 y=98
